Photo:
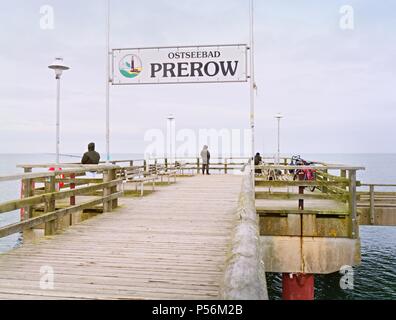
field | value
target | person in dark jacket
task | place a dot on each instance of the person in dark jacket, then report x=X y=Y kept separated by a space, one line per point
x=91 y=157
x=257 y=161
x=205 y=155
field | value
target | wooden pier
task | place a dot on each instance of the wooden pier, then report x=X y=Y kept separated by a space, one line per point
x=159 y=230
x=174 y=243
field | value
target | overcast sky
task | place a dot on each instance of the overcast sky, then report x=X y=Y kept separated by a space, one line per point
x=336 y=88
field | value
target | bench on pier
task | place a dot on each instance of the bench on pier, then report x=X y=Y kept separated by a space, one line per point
x=169 y=174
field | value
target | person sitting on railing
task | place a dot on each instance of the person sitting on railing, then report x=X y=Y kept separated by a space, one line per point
x=257 y=161
x=91 y=157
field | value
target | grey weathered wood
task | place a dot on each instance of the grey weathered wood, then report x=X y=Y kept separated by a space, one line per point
x=50 y=226
x=352 y=204
x=35 y=200
x=372 y=205
x=47 y=217
x=170 y=246
x=244 y=276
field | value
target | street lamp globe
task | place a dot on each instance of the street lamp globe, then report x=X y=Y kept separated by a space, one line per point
x=58 y=66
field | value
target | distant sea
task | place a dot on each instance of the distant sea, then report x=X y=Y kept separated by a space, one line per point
x=375 y=278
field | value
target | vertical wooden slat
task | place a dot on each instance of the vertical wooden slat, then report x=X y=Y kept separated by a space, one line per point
x=107 y=207
x=198 y=168
x=50 y=206
x=343 y=174
x=352 y=204
x=372 y=205
x=72 y=186
x=324 y=189
x=28 y=191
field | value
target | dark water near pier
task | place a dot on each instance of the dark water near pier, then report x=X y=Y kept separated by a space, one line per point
x=375 y=278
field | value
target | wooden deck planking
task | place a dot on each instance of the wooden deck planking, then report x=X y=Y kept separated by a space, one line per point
x=171 y=244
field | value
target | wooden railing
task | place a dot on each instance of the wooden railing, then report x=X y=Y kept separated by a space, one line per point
x=282 y=183
x=41 y=205
x=381 y=204
x=181 y=164
x=244 y=273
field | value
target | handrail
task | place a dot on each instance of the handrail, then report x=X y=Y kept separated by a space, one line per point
x=48 y=199
x=378 y=185
x=78 y=169
x=244 y=275
x=311 y=167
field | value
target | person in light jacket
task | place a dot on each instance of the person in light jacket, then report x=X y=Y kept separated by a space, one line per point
x=205 y=155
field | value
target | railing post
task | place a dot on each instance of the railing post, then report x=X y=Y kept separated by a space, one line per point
x=72 y=187
x=51 y=226
x=352 y=203
x=285 y=163
x=301 y=191
x=28 y=191
x=27 y=187
x=325 y=178
x=108 y=176
x=198 y=165
x=343 y=174
x=372 y=205
x=225 y=166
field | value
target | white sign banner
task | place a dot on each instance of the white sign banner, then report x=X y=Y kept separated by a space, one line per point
x=226 y=63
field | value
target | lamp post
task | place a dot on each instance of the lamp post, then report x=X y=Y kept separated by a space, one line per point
x=278 y=117
x=171 y=137
x=58 y=66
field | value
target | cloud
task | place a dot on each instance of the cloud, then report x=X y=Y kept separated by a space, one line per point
x=335 y=88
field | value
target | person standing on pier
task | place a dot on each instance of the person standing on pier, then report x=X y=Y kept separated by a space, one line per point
x=205 y=155
x=91 y=157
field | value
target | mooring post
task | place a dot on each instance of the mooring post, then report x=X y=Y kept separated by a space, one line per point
x=50 y=206
x=372 y=205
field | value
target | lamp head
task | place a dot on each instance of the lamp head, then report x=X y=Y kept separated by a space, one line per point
x=279 y=116
x=58 y=66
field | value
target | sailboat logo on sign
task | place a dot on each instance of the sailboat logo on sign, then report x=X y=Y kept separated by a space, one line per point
x=130 y=66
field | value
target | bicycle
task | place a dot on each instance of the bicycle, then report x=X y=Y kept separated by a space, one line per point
x=308 y=174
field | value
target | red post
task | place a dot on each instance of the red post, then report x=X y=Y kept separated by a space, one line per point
x=298 y=286
x=72 y=186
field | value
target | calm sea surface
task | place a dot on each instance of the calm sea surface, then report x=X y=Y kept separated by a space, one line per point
x=375 y=278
